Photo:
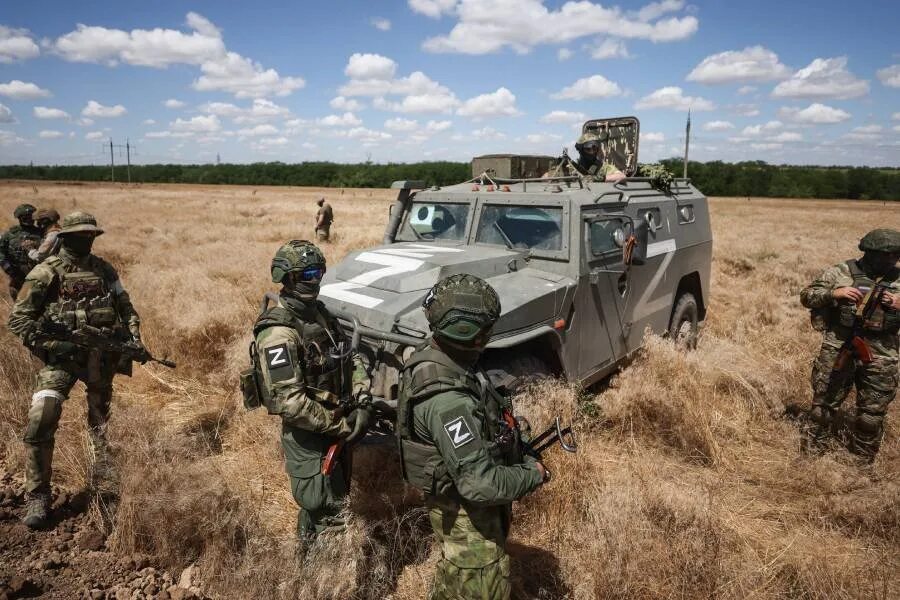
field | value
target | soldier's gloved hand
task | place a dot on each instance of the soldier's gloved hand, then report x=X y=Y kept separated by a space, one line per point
x=358 y=420
x=142 y=355
x=60 y=348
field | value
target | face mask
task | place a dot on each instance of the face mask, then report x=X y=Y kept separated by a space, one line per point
x=881 y=263
x=79 y=245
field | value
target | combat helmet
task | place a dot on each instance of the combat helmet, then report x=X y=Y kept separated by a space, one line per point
x=460 y=307
x=297 y=255
x=79 y=222
x=881 y=240
x=23 y=211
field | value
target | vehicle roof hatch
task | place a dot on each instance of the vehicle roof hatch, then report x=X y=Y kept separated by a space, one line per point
x=619 y=137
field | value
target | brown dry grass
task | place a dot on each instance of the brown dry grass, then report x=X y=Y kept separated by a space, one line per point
x=688 y=483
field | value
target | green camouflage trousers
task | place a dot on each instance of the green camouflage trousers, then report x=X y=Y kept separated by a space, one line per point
x=876 y=385
x=474 y=564
x=52 y=386
x=321 y=497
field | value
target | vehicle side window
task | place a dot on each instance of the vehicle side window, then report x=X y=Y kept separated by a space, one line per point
x=602 y=235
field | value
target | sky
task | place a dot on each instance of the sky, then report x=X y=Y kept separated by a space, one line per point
x=410 y=80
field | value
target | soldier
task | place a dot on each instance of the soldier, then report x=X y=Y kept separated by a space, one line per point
x=834 y=299
x=15 y=245
x=324 y=219
x=70 y=290
x=303 y=364
x=47 y=221
x=591 y=160
x=451 y=447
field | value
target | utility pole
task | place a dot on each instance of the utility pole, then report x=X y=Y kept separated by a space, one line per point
x=128 y=154
x=687 y=141
x=112 y=161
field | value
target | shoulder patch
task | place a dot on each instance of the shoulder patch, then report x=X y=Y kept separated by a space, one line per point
x=458 y=431
x=279 y=362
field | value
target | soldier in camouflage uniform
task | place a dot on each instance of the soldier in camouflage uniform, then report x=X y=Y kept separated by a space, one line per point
x=47 y=220
x=452 y=447
x=833 y=299
x=69 y=290
x=15 y=245
x=302 y=364
x=324 y=219
x=592 y=162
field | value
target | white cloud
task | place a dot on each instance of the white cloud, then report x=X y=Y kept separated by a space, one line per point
x=348 y=119
x=346 y=104
x=746 y=89
x=432 y=8
x=487 y=133
x=222 y=109
x=438 y=126
x=399 y=124
x=595 y=86
x=896 y=128
x=198 y=124
x=754 y=63
x=173 y=103
x=655 y=10
x=890 y=76
x=169 y=134
x=6 y=115
x=815 y=114
x=673 y=97
x=501 y=103
x=8 y=138
x=20 y=90
x=95 y=135
x=745 y=110
x=148 y=122
x=244 y=78
x=16 y=44
x=610 y=48
x=99 y=111
x=42 y=112
x=718 y=126
x=258 y=131
x=259 y=111
x=543 y=138
x=368 y=136
x=564 y=54
x=370 y=66
x=653 y=137
x=823 y=78
x=562 y=116
x=786 y=136
x=766 y=146
x=272 y=141
x=486 y=26
x=85 y=122
x=381 y=24
x=865 y=133
x=760 y=129
x=895 y=116
x=49 y=134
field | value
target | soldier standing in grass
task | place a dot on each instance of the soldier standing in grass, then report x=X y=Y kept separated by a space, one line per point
x=15 y=245
x=451 y=447
x=301 y=367
x=324 y=219
x=47 y=221
x=835 y=299
x=70 y=290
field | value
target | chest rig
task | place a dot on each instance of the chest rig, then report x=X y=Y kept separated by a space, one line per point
x=83 y=297
x=322 y=356
x=881 y=320
x=427 y=373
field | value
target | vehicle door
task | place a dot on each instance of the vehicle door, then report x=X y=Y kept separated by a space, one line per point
x=602 y=295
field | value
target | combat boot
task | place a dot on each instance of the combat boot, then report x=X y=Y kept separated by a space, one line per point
x=36 y=510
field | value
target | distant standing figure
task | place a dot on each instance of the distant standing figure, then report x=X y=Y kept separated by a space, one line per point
x=837 y=298
x=15 y=244
x=324 y=219
x=47 y=220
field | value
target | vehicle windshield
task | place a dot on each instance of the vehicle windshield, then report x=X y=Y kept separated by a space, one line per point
x=526 y=227
x=427 y=221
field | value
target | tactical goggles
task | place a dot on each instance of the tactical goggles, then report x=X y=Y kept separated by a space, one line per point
x=312 y=274
x=591 y=147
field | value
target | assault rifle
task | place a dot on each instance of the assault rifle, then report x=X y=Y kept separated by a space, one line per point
x=535 y=447
x=99 y=338
x=855 y=346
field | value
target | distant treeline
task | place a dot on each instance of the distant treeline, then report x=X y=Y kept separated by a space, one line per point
x=714 y=178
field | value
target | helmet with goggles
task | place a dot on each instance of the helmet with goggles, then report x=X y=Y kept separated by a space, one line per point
x=461 y=307
x=300 y=257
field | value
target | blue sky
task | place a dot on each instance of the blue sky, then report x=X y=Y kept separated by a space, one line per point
x=784 y=82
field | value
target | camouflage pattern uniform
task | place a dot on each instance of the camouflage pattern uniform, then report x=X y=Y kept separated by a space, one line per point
x=300 y=380
x=876 y=382
x=47 y=220
x=72 y=289
x=15 y=245
x=591 y=166
x=448 y=425
x=324 y=219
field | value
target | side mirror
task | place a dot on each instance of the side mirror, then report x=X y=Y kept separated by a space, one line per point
x=619 y=238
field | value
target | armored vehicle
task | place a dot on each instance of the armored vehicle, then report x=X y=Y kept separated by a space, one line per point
x=583 y=268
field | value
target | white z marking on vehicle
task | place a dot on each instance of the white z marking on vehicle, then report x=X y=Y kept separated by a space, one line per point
x=644 y=307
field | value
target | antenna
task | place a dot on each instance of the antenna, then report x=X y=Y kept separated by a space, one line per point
x=687 y=141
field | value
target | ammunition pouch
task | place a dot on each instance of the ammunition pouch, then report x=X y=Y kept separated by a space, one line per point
x=251 y=380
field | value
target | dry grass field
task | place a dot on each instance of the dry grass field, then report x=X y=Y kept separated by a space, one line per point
x=688 y=482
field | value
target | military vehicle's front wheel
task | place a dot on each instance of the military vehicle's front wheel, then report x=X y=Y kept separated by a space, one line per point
x=684 y=327
x=509 y=372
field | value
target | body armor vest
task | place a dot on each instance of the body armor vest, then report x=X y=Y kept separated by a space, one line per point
x=83 y=297
x=881 y=321
x=325 y=370
x=20 y=244
x=427 y=373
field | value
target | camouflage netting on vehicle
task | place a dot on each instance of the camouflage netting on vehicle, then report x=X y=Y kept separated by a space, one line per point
x=660 y=177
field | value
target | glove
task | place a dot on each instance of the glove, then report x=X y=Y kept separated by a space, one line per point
x=358 y=421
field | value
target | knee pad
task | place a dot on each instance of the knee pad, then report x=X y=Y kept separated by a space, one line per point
x=869 y=425
x=43 y=416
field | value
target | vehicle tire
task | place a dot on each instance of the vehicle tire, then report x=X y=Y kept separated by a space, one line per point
x=509 y=371
x=684 y=328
